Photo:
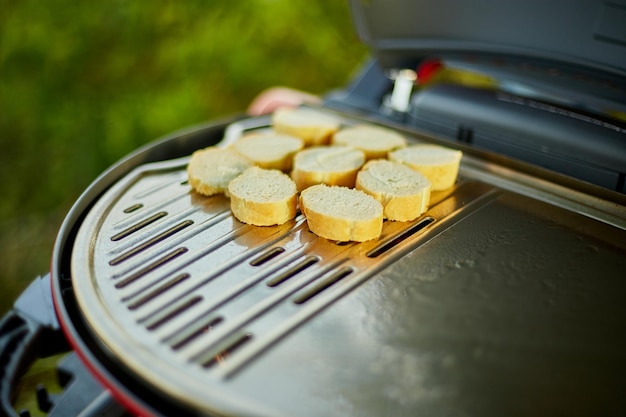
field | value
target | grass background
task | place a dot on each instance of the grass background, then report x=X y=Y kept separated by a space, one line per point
x=84 y=83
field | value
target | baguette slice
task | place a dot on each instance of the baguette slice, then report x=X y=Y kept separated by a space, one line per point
x=211 y=169
x=263 y=197
x=342 y=214
x=403 y=192
x=312 y=126
x=269 y=150
x=437 y=163
x=331 y=165
x=375 y=141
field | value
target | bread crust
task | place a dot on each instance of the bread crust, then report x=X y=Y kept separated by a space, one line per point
x=211 y=169
x=331 y=165
x=269 y=150
x=403 y=192
x=319 y=205
x=314 y=127
x=375 y=141
x=437 y=163
x=263 y=197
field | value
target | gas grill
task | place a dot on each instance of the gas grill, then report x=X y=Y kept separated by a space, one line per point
x=504 y=298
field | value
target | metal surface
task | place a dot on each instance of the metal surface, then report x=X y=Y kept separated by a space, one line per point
x=506 y=293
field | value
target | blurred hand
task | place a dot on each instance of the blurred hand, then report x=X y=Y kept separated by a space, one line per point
x=275 y=97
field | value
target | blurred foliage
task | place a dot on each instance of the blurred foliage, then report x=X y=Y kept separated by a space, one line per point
x=84 y=83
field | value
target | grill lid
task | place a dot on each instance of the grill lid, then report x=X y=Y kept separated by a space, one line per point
x=480 y=293
x=589 y=33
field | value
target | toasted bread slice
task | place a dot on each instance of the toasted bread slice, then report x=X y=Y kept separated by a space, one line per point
x=211 y=169
x=341 y=213
x=375 y=141
x=331 y=165
x=263 y=197
x=269 y=150
x=403 y=192
x=312 y=126
x=437 y=163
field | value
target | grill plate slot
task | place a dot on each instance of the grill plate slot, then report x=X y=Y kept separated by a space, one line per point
x=151 y=242
x=325 y=284
x=139 y=225
x=294 y=270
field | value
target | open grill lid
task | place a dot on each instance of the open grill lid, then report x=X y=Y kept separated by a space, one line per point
x=586 y=33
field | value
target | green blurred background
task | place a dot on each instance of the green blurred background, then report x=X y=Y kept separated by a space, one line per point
x=84 y=83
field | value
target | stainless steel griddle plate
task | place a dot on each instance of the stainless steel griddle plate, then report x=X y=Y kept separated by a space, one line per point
x=489 y=293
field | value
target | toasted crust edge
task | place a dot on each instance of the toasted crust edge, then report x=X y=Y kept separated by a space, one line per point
x=338 y=228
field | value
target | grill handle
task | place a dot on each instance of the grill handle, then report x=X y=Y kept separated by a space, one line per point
x=28 y=332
